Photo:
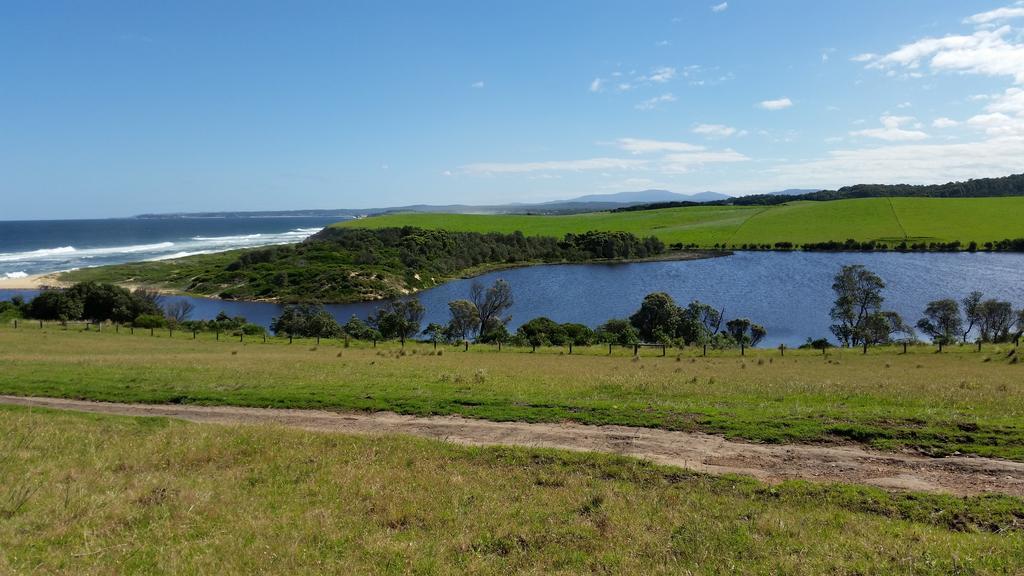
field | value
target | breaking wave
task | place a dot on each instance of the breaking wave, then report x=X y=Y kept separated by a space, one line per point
x=66 y=257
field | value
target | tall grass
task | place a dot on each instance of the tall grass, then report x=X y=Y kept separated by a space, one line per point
x=149 y=496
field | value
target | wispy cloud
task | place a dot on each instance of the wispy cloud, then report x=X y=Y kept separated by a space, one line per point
x=478 y=84
x=662 y=75
x=995 y=52
x=720 y=7
x=999 y=14
x=778 y=104
x=892 y=130
x=652 y=103
x=944 y=122
x=554 y=166
x=907 y=163
x=715 y=130
x=685 y=162
x=663 y=157
x=625 y=82
x=646 y=146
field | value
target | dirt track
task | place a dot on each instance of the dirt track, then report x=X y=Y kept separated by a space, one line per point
x=703 y=452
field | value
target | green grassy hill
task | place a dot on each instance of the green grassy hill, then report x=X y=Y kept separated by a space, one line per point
x=882 y=219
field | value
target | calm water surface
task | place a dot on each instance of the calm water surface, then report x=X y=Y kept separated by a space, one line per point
x=788 y=292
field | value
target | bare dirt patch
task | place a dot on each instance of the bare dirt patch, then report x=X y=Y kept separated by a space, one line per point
x=961 y=475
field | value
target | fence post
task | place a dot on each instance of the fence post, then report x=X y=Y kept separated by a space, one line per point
x=636 y=349
x=534 y=348
x=743 y=349
x=865 y=346
x=609 y=348
x=705 y=349
x=979 y=345
x=290 y=341
x=117 y=328
x=241 y=336
x=170 y=332
x=264 y=337
x=40 y=324
x=782 y=350
x=499 y=345
x=318 y=340
x=664 y=350
x=193 y=334
x=467 y=346
x=374 y=341
x=218 y=335
x=15 y=323
x=570 y=348
x=132 y=329
x=151 y=331
x=435 y=343
x=905 y=347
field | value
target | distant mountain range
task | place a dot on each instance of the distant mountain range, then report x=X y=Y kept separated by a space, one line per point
x=587 y=203
x=1012 y=185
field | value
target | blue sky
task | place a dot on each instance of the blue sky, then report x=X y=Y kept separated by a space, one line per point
x=117 y=108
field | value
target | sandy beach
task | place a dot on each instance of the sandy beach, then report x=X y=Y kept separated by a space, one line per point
x=33 y=282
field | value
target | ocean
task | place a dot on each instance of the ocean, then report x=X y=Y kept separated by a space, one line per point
x=42 y=246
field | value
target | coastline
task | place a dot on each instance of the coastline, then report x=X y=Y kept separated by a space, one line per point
x=33 y=282
x=40 y=281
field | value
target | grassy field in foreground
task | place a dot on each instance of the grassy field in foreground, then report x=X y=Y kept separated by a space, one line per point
x=960 y=400
x=884 y=219
x=149 y=495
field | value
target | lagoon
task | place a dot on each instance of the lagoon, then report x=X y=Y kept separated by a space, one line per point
x=788 y=292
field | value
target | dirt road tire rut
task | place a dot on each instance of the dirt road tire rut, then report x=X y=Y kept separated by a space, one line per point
x=960 y=475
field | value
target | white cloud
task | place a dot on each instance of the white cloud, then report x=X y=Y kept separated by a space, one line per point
x=554 y=166
x=998 y=124
x=1005 y=13
x=662 y=157
x=662 y=75
x=684 y=162
x=779 y=104
x=904 y=105
x=478 y=84
x=1009 y=102
x=908 y=163
x=646 y=146
x=720 y=7
x=715 y=130
x=596 y=85
x=892 y=130
x=652 y=103
x=986 y=52
x=867 y=57
x=944 y=123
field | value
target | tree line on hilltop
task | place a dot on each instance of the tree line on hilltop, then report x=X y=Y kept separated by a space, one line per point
x=1012 y=185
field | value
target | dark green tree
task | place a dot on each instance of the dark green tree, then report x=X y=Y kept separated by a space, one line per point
x=399 y=319
x=942 y=322
x=658 y=317
x=55 y=305
x=858 y=298
x=618 y=331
